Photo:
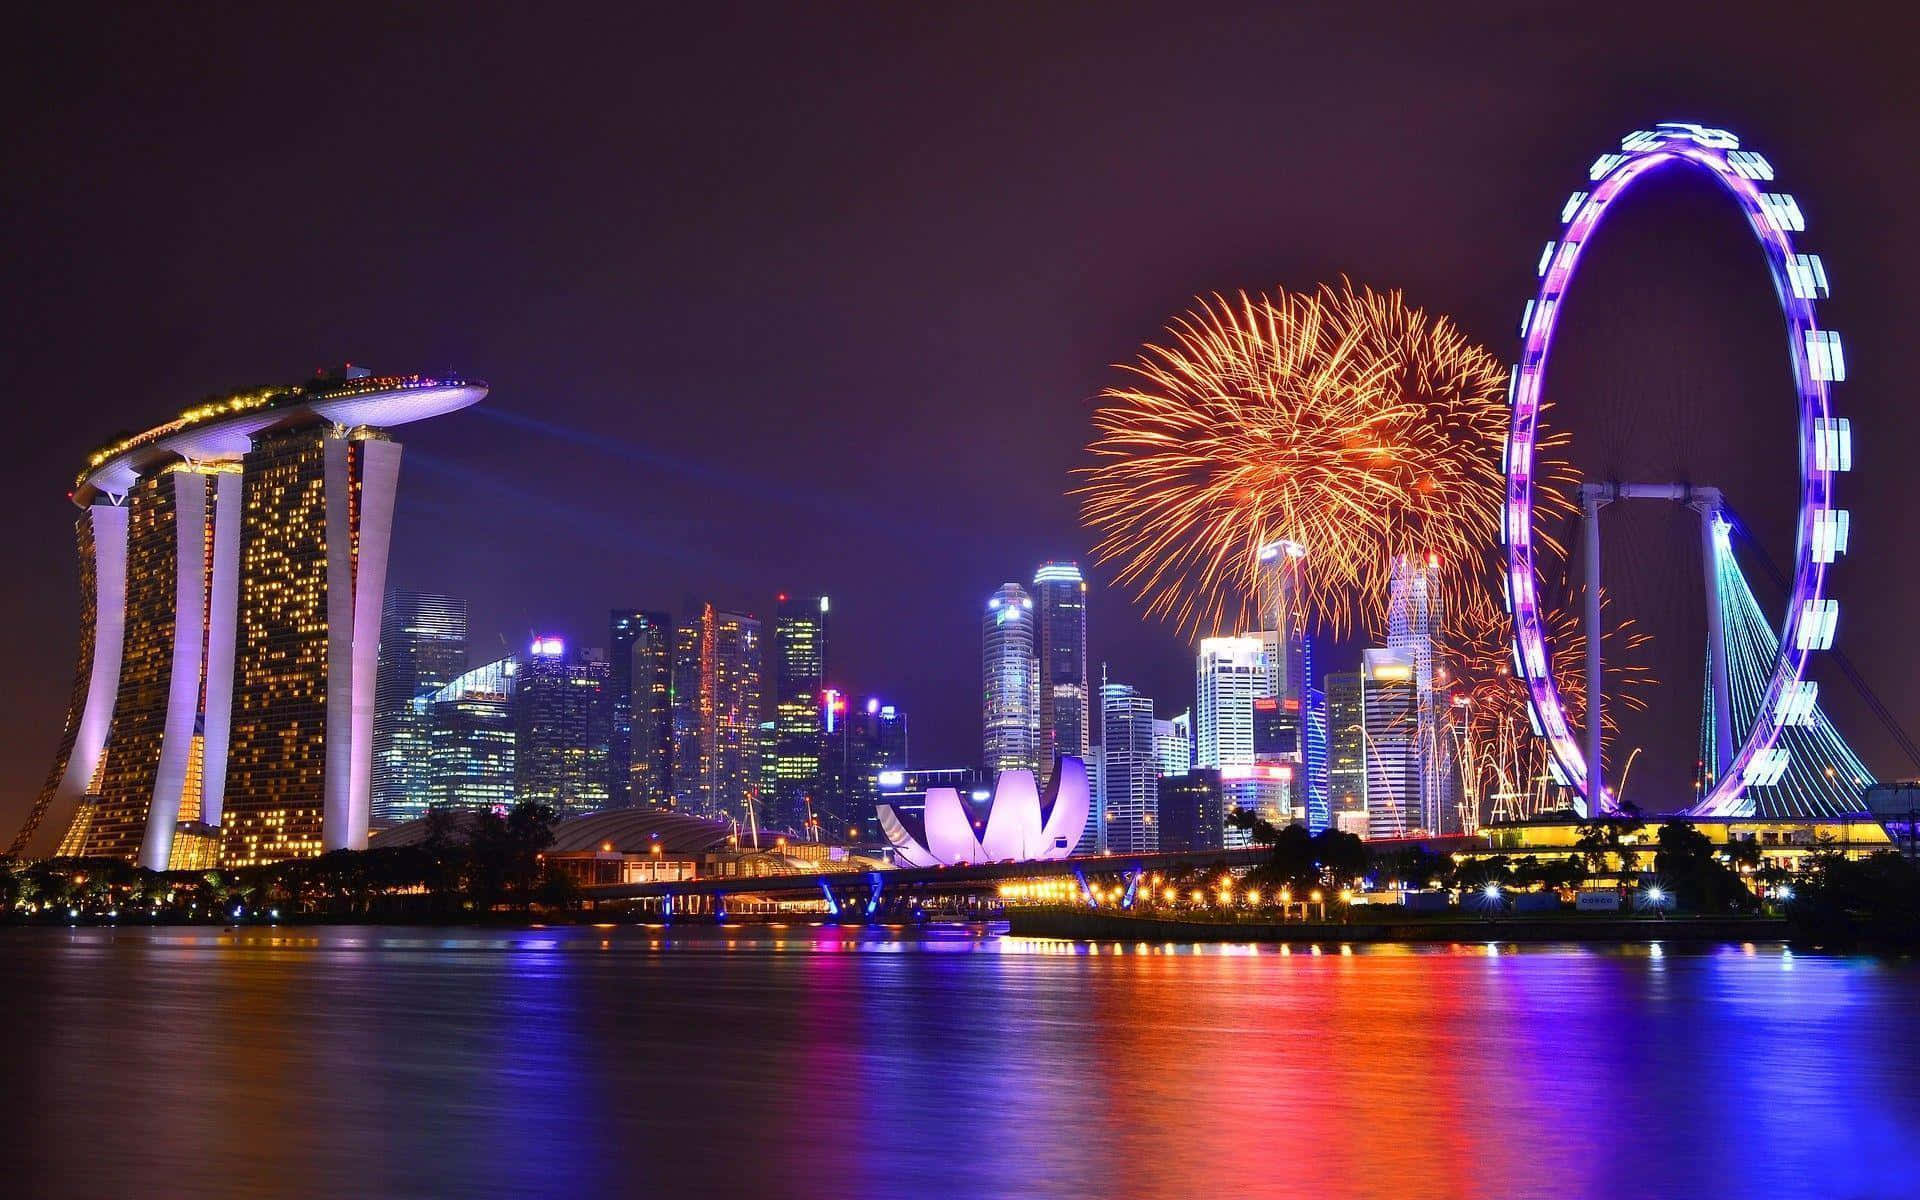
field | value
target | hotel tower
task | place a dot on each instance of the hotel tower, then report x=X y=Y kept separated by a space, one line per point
x=232 y=565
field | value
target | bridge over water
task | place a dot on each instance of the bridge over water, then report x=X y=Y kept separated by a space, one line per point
x=860 y=894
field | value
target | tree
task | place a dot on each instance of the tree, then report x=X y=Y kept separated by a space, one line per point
x=558 y=890
x=1260 y=831
x=1843 y=903
x=505 y=854
x=1688 y=867
x=1477 y=873
x=1414 y=867
x=1603 y=840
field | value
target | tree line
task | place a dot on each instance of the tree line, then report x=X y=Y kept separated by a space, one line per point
x=468 y=864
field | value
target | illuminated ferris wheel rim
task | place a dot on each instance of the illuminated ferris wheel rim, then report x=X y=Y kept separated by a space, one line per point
x=1825 y=449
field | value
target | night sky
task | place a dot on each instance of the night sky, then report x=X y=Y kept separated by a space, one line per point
x=815 y=298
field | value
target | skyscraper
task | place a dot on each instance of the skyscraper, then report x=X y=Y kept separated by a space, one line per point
x=233 y=561
x=1319 y=773
x=1283 y=623
x=1389 y=701
x=1347 y=749
x=423 y=645
x=640 y=704
x=1061 y=601
x=692 y=715
x=1413 y=629
x=864 y=742
x=1129 y=772
x=562 y=728
x=1231 y=675
x=799 y=675
x=1010 y=710
x=1192 y=811
x=739 y=695
x=471 y=738
x=1288 y=650
x=1173 y=744
x=717 y=700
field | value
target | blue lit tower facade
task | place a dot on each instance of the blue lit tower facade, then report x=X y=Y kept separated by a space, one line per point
x=798 y=768
x=423 y=646
x=640 y=703
x=622 y=630
x=562 y=728
x=1010 y=667
x=1389 y=747
x=1060 y=597
x=1129 y=772
x=864 y=742
x=471 y=738
x=1316 y=750
x=1173 y=744
x=1300 y=708
x=1230 y=677
x=1347 y=748
x=1413 y=631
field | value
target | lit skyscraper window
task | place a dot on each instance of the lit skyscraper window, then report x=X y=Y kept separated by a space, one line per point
x=423 y=646
x=798 y=766
x=1129 y=772
x=1413 y=630
x=1060 y=598
x=1010 y=710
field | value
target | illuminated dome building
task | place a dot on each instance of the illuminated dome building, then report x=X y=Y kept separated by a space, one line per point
x=232 y=567
x=1014 y=825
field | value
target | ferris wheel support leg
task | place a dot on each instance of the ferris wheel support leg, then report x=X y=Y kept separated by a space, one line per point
x=1592 y=498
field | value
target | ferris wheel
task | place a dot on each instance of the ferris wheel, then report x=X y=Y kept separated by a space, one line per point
x=1758 y=755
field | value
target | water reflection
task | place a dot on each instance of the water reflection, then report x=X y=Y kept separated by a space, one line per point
x=819 y=1061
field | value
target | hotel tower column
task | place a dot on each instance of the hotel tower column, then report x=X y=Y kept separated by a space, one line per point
x=102 y=533
x=362 y=474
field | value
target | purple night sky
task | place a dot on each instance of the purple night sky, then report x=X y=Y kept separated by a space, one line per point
x=815 y=299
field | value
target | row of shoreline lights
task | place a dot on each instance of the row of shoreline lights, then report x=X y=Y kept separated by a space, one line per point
x=1070 y=890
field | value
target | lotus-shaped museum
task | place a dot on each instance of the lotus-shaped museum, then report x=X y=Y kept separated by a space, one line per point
x=1014 y=826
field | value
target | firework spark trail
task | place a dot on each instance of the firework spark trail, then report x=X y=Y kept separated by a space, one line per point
x=1503 y=755
x=1342 y=419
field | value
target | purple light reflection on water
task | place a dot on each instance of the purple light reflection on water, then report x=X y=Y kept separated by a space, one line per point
x=814 y=1061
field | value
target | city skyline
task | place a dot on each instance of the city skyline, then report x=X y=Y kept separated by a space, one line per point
x=892 y=566
x=760 y=424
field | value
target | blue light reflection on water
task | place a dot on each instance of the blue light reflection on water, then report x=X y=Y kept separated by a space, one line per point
x=805 y=1060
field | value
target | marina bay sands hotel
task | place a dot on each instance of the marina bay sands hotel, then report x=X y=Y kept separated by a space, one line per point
x=232 y=565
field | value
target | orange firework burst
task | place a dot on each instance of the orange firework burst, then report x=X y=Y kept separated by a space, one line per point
x=1343 y=420
x=1502 y=761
